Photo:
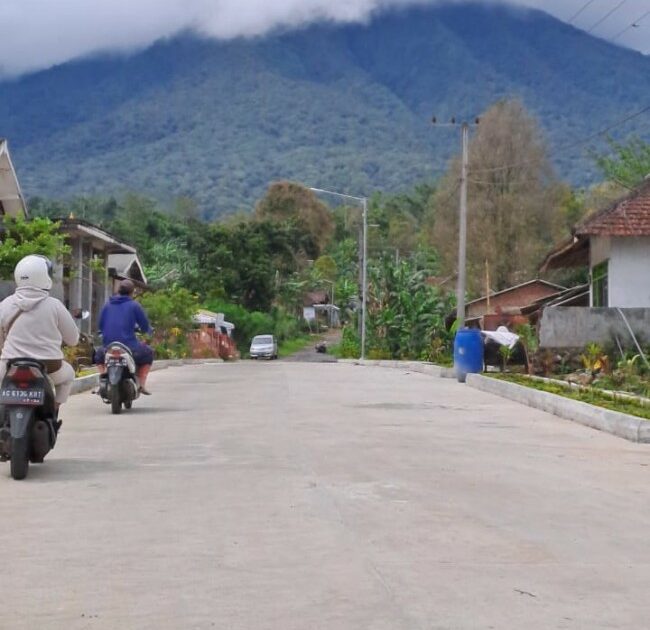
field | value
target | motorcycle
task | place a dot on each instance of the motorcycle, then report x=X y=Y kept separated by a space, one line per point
x=119 y=385
x=28 y=422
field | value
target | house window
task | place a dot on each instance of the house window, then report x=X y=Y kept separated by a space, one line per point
x=600 y=284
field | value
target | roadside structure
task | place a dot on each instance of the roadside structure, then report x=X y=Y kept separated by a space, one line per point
x=89 y=276
x=125 y=266
x=12 y=202
x=213 y=337
x=318 y=309
x=504 y=308
x=614 y=244
x=98 y=261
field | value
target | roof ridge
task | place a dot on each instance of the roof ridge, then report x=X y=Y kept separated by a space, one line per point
x=641 y=190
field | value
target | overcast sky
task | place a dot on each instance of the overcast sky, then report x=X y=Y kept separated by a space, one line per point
x=39 y=33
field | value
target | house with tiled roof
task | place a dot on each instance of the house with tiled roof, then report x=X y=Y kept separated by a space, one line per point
x=615 y=244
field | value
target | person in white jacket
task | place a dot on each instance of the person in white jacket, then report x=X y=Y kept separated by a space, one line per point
x=34 y=325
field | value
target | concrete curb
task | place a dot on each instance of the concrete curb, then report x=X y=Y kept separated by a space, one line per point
x=86 y=383
x=415 y=366
x=620 y=424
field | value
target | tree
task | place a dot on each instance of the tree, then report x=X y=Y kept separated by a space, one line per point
x=326 y=268
x=405 y=313
x=290 y=202
x=22 y=238
x=627 y=164
x=512 y=201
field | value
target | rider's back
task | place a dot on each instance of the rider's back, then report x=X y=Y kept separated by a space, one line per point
x=40 y=329
x=119 y=319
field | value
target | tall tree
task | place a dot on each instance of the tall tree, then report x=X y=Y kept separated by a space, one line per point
x=287 y=201
x=513 y=212
x=628 y=164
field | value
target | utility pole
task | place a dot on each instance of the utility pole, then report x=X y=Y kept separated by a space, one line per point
x=462 y=230
x=462 y=219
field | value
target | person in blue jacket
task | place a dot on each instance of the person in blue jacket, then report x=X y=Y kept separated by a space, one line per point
x=119 y=320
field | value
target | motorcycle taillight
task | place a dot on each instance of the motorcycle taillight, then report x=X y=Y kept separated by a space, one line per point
x=115 y=354
x=23 y=376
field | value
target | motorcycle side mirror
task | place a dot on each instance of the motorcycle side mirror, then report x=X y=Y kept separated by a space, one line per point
x=79 y=314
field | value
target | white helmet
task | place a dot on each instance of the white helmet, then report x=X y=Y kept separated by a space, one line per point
x=35 y=272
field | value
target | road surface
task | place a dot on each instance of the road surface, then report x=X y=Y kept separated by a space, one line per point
x=292 y=496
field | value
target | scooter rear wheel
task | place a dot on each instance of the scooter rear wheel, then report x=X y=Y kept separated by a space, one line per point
x=116 y=400
x=19 y=457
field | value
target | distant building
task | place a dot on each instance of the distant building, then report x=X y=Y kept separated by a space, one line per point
x=504 y=308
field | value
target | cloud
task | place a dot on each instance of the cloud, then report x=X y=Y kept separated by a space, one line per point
x=41 y=33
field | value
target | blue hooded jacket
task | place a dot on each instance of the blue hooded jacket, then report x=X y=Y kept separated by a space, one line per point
x=119 y=319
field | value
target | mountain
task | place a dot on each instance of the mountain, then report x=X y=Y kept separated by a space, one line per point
x=339 y=106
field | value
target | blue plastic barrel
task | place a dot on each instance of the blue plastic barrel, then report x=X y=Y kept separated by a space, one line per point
x=468 y=353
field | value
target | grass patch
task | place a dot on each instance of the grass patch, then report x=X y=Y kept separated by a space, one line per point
x=86 y=372
x=583 y=394
x=291 y=346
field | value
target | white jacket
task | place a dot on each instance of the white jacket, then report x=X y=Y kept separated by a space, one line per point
x=39 y=331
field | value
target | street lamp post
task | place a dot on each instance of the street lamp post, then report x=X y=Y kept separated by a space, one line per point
x=364 y=267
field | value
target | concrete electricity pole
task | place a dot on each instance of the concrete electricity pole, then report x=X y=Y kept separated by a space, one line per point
x=462 y=219
x=462 y=230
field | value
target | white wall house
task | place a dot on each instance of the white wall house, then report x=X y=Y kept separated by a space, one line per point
x=620 y=271
x=615 y=244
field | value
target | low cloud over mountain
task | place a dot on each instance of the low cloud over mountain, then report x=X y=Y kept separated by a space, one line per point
x=40 y=33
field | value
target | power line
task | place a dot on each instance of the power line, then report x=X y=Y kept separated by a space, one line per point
x=571 y=145
x=634 y=24
x=580 y=11
x=607 y=15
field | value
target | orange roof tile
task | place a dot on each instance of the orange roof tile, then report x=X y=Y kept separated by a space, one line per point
x=628 y=217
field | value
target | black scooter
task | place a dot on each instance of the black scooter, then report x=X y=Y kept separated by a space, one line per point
x=119 y=385
x=28 y=418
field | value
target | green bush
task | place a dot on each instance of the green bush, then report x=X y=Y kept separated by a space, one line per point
x=170 y=313
x=350 y=347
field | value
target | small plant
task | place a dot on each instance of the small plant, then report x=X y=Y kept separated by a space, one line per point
x=594 y=359
x=349 y=348
x=438 y=352
x=506 y=354
x=528 y=339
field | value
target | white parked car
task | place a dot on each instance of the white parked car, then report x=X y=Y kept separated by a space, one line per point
x=264 y=346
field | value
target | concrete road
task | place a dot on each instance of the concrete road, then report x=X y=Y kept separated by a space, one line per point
x=309 y=354
x=286 y=496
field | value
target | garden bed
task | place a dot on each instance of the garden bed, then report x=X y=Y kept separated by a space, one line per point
x=612 y=401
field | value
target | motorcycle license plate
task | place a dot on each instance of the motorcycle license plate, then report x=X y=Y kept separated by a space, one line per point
x=15 y=396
